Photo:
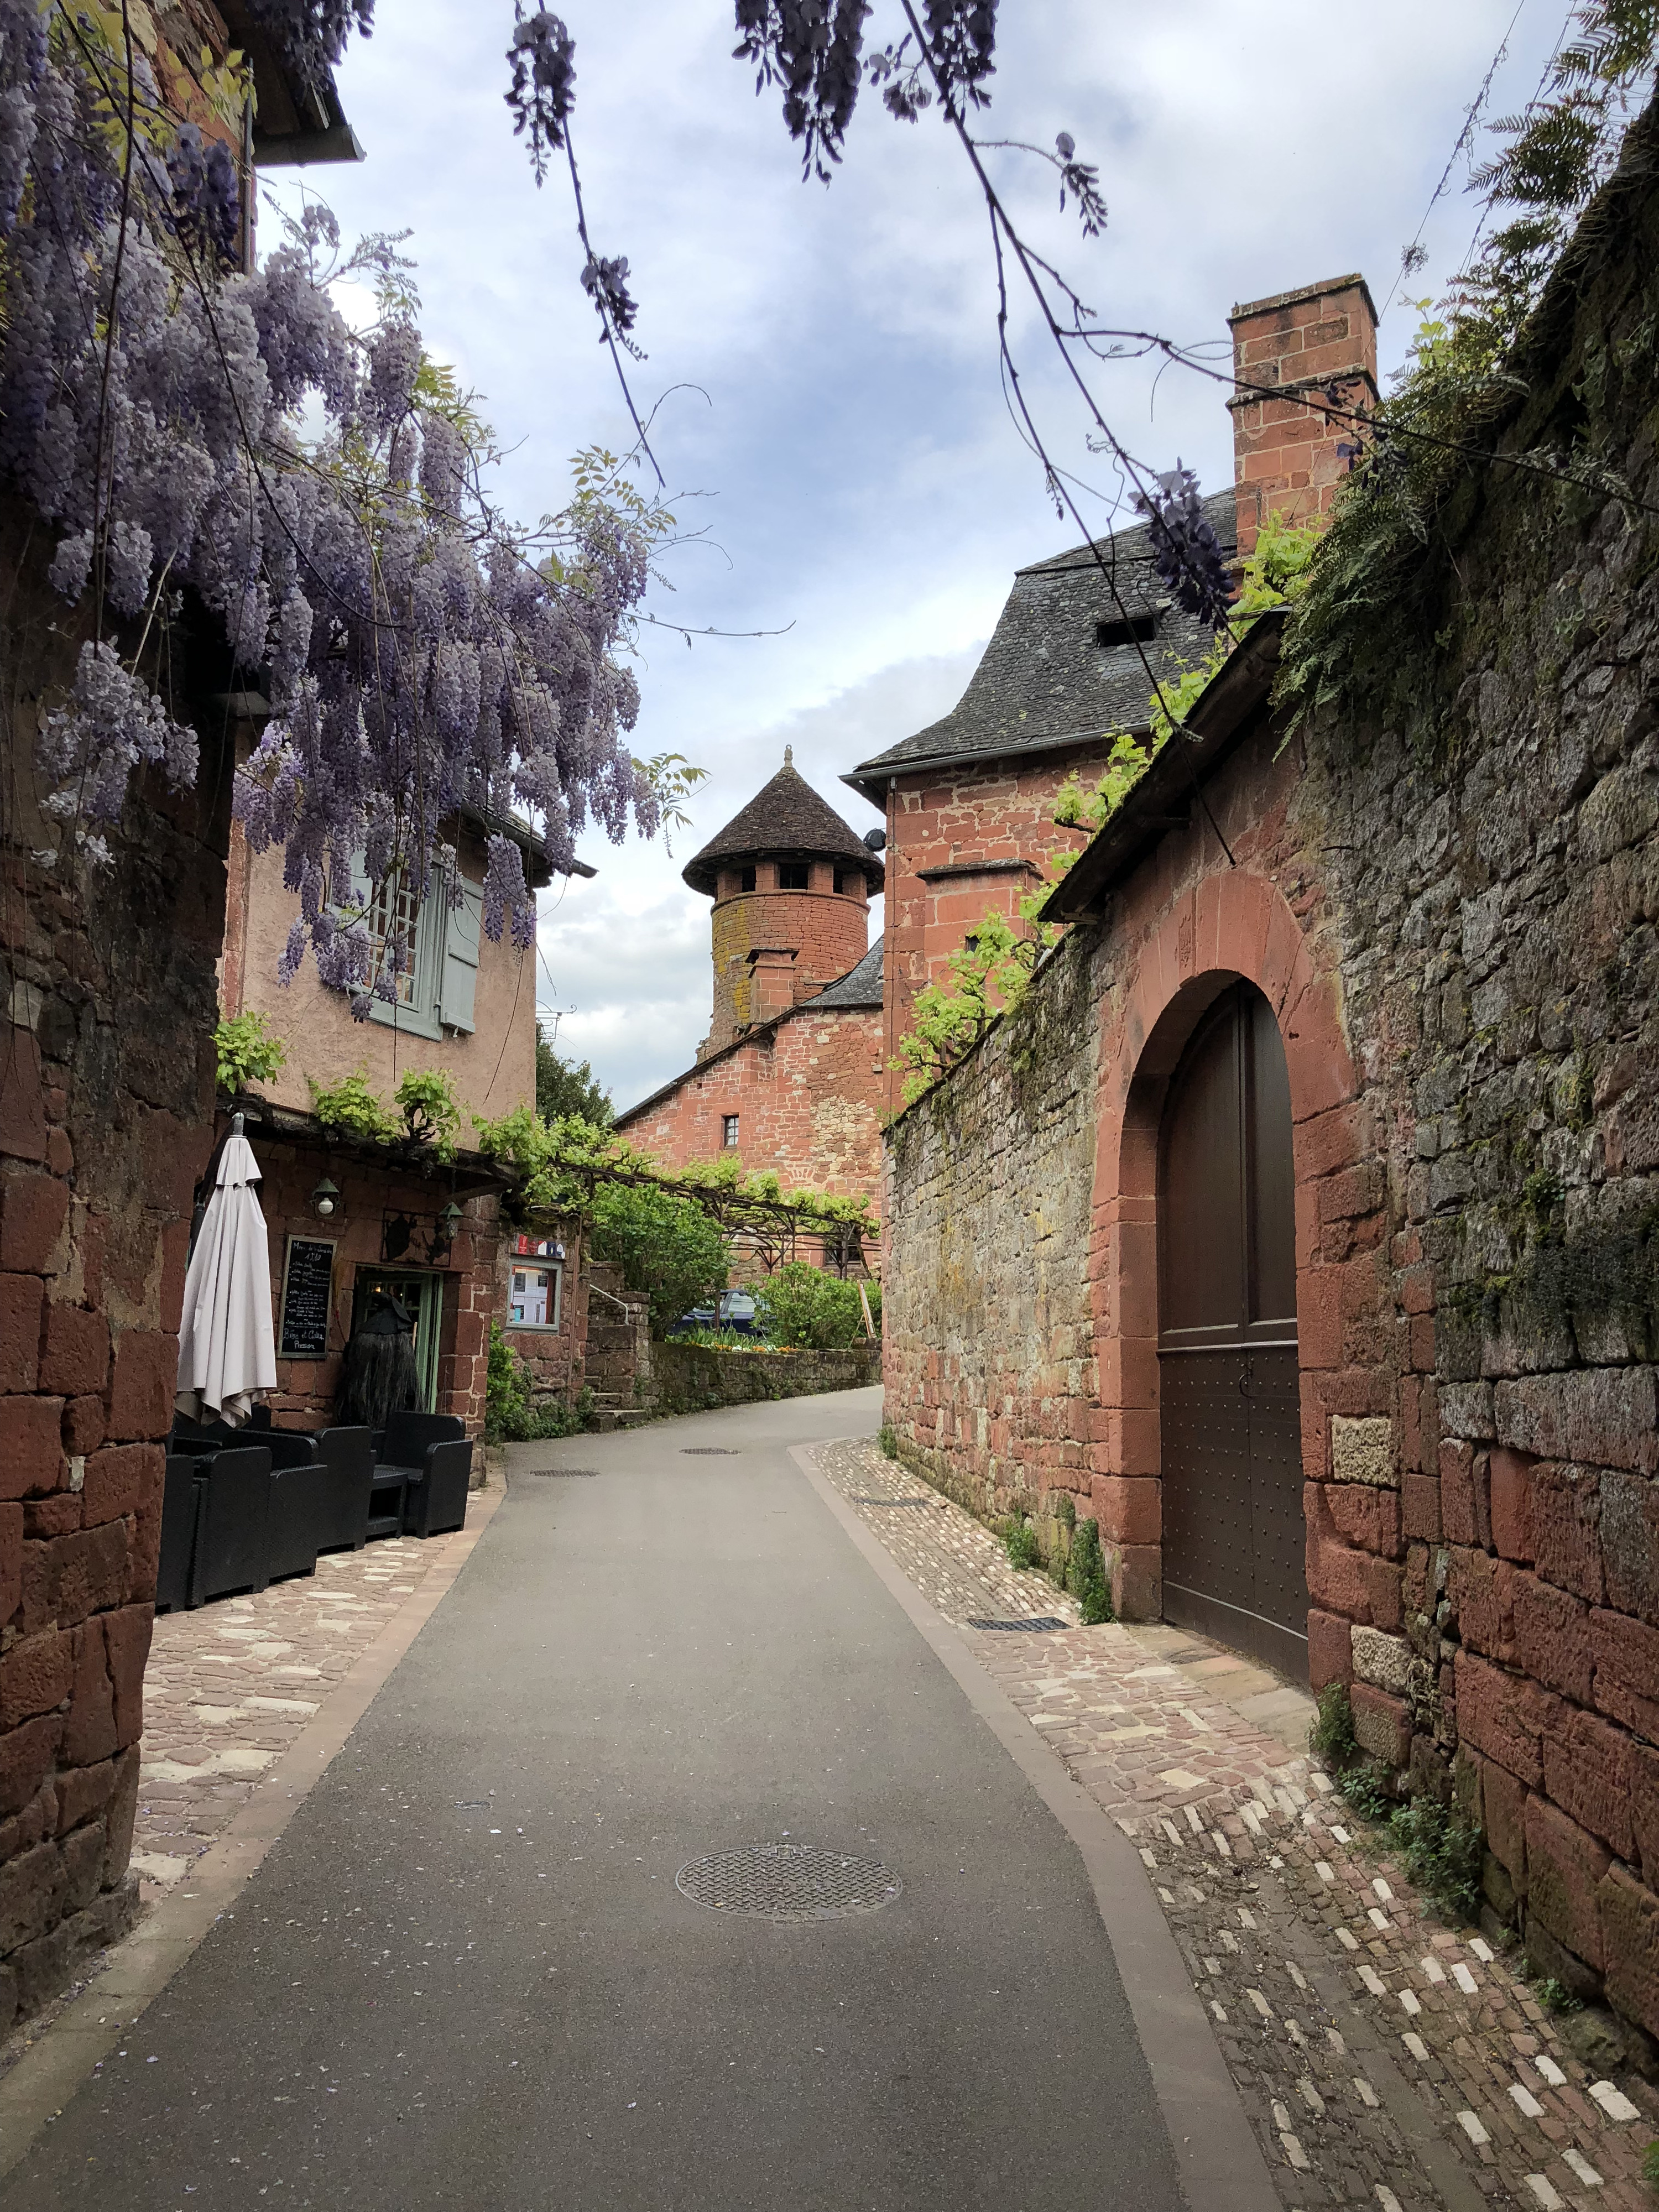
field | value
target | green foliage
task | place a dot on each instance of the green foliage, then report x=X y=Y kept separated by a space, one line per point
x=430 y=1114
x=665 y=1246
x=804 y=1307
x=887 y=1437
x=726 y=1339
x=1443 y=1853
x=1332 y=1735
x=672 y=778
x=1085 y=1575
x=1555 y=1996
x=1650 y=2165
x=1365 y=1790
x=1358 y=636
x=1019 y=1540
x=352 y=1108
x=566 y=1088
x=427 y=1116
x=249 y=1051
x=562 y=1164
x=511 y=1415
x=991 y=969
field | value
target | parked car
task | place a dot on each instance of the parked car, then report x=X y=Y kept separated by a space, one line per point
x=733 y=1310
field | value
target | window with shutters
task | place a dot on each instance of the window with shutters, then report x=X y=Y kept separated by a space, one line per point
x=436 y=943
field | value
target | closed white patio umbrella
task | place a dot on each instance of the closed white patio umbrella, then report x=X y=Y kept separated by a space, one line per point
x=226 y=1346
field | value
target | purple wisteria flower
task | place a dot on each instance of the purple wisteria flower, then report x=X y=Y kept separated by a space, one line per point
x=1186 y=551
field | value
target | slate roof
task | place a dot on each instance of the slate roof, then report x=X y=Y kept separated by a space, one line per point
x=786 y=820
x=1045 y=676
x=859 y=987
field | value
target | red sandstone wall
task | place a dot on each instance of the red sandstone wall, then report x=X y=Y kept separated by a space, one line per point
x=1319 y=343
x=999 y=816
x=808 y=1095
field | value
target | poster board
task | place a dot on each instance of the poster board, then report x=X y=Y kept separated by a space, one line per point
x=307 y=1305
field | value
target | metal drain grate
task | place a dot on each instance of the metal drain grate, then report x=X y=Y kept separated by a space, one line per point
x=889 y=1501
x=565 y=1473
x=1044 y=1625
x=708 y=1452
x=787 y=1882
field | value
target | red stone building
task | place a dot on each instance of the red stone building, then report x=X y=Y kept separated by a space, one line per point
x=791 y=1075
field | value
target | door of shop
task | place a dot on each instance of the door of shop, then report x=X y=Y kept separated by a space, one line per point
x=420 y=1294
x=1234 y=1542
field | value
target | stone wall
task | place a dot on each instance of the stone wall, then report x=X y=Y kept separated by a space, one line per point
x=691 y=1378
x=106 y=1122
x=1449 y=895
x=807 y=1092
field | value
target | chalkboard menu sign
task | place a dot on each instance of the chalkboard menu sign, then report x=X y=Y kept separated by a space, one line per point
x=307 y=1299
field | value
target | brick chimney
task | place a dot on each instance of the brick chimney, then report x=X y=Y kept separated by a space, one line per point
x=1285 y=456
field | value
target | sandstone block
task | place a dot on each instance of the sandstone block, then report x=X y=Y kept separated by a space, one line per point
x=1420 y=1508
x=89 y=1733
x=1368 y=1519
x=141 y=1389
x=83 y=1426
x=1605 y=1416
x=75 y=1357
x=31 y=1895
x=1566 y=1526
x=1510 y=1477
x=1465 y=1494
x=1644 y=1809
x=1481 y=1590
x=1587 y=1771
x=31 y=1446
x=1381 y=1723
x=33 y=1210
x=1564 y=1864
x=127 y=1634
x=1136 y=1573
x=11 y=1559
x=1552 y=1635
x=1493 y=1716
x=121 y=1480
x=82 y=1851
x=1330 y=1649
x=1128 y=1508
x=1629 y=1914
x=1630 y=1544
x=82 y=1791
x=1383 y=1661
x=1626 y=1654
x=36 y=1676
x=119 y=1820
x=25 y=1759
x=21 y=1300
x=1504 y=1815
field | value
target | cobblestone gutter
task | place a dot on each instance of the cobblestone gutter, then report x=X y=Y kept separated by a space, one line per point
x=1384 y=2059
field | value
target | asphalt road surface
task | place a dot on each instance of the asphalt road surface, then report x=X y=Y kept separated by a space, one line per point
x=464 y=1976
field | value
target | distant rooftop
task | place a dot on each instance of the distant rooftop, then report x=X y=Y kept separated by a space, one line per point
x=859 y=987
x=786 y=820
x=1064 y=662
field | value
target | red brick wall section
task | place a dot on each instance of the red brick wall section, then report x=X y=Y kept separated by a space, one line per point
x=962 y=843
x=1308 y=344
x=368 y=1194
x=808 y=1095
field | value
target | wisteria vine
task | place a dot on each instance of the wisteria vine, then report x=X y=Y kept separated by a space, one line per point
x=422 y=658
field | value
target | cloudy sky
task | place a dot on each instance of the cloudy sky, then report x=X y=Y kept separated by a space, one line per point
x=830 y=411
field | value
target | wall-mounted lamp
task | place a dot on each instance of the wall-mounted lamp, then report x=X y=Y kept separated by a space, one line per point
x=324 y=1200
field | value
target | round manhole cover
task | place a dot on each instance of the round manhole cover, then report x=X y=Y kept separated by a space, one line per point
x=787 y=1881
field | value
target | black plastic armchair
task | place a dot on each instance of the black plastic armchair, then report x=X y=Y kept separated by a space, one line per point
x=299 y=1501
x=349 y=1456
x=434 y=1499
x=233 y=1544
x=401 y=1464
x=182 y=1497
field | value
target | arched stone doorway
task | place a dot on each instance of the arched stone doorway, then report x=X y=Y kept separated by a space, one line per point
x=1228 y=1398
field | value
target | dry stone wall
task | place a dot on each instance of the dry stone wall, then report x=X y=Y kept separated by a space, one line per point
x=1450 y=890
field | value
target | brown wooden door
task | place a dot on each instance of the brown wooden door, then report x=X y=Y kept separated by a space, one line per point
x=1234 y=1543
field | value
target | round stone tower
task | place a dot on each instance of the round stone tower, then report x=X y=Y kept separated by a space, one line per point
x=791 y=884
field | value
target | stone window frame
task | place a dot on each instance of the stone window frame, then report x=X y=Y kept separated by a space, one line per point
x=729 y=1139
x=523 y=1262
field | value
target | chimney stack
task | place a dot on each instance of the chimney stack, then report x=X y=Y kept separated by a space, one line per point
x=1285 y=456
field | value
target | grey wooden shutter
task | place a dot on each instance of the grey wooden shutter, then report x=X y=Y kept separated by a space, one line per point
x=462 y=929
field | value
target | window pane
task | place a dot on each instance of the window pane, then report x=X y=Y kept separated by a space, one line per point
x=393 y=911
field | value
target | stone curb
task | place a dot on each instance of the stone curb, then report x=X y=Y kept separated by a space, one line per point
x=1217 y=2155
x=138 y=1969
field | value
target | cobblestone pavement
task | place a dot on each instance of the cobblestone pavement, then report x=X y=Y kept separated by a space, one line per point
x=1384 y=2059
x=229 y=1686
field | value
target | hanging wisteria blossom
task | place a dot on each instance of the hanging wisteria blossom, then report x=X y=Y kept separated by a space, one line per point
x=422 y=658
x=1186 y=551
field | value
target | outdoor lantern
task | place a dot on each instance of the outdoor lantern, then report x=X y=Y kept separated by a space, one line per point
x=452 y=1218
x=324 y=1200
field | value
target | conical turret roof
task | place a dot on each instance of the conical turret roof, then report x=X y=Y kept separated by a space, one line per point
x=785 y=821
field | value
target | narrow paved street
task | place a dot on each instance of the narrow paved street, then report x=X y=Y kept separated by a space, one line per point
x=466 y=1975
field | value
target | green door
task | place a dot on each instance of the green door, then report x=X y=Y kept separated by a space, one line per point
x=422 y=1295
